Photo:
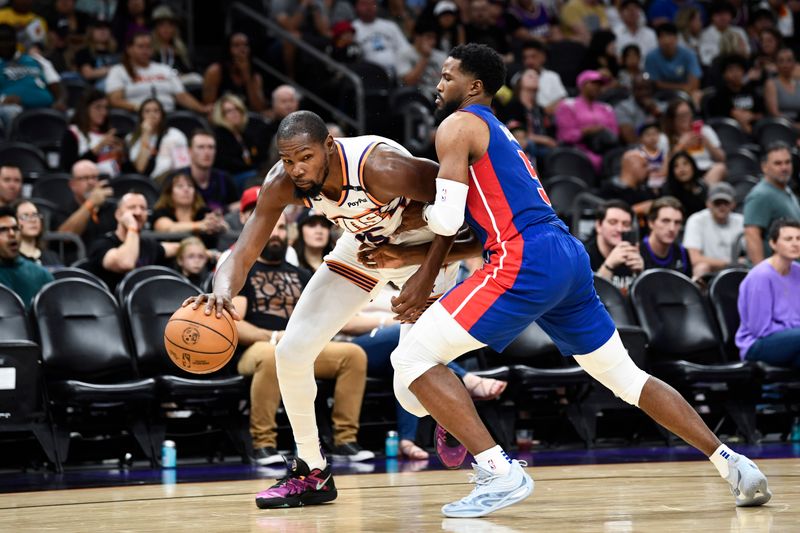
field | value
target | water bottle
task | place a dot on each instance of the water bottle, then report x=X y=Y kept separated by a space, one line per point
x=794 y=436
x=392 y=444
x=169 y=454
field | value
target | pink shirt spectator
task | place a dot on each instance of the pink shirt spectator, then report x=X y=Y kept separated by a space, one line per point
x=574 y=114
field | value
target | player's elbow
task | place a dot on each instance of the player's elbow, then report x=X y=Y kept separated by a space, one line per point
x=445 y=221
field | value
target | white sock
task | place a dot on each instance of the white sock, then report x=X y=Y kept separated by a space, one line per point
x=720 y=459
x=494 y=460
x=312 y=456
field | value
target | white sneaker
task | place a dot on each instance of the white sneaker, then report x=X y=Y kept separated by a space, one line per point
x=492 y=492
x=748 y=483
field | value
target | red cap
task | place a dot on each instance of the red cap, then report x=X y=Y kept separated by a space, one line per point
x=249 y=198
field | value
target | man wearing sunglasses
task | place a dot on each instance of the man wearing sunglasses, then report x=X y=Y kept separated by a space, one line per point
x=20 y=275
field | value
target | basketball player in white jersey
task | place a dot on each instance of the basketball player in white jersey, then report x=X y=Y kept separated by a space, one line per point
x=363 y=184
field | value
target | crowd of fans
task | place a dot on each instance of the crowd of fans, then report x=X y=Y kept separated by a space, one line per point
x=634 y=87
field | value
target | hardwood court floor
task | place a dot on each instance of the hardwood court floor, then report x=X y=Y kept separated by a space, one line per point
x=651 y=497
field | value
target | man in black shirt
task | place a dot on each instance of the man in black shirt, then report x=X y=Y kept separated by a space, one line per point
x=631 y=185
x=735 y=98
x=217 y=188
x=118 y=252
x=612 y=256
x=88 y=213
x=660 y=249
x=265 y=304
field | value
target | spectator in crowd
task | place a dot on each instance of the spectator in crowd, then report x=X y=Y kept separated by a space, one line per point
x=28 y=25
x=551 y=88
x=769 y=200
x=168 y=47
x=602 y=55
x=661 y=248
x=90 y=212
x=655 y=154
x=23 y=84
x=235 y=74
x=421 y=65
x=31 y=229
x=139 y=78
x=585 y=122
x=217 y=188
x=689 y=23
x=314 y=240
x=181 y=209
x=343 y=47
x=631 y=184
x=95 y=61
x=765 y=63
x=381 y=40
x=265 y=304
x=784 y=17
x=632 y=31
x=661 y=11
x=635 y=111
x=683 y=133
x=614 y=247
x=23 y=277
x=241 y=142
x=447 y=24
x=782 y=93
x=672 y=66
x=483 y=29
x=66 y=33
x=525 y=20
x=769 y=309
x=722 y=13
x=285 y=100
x=307 y=20
x=731 y=44
x=192 y=259
x=684 y=182
x=130 y=17
x=581 y=18
x=522 y=110
x=10 y=184
x=118 y=252
x=711 y=234
x=735 y=98
x=91 y=137
x=153 y=148
x=758 y=19
x=630 y=68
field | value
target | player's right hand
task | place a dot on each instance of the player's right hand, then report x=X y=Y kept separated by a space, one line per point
x=412 y=218
x=213 y=301
x=383 y=256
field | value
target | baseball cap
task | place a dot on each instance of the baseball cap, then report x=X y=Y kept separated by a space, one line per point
x=721 y=191
x=444 y=6
x=342 y=27
x=249 y=198
x=163 y=13
x=588 y=76
x=310 y=215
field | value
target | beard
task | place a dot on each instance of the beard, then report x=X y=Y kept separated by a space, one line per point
x=316 y=190
x=445 y=111
x=274 y=251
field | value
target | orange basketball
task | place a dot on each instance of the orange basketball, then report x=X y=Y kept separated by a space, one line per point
x=200 y=343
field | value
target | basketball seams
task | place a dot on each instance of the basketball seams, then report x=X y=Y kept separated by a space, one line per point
x=230 y=342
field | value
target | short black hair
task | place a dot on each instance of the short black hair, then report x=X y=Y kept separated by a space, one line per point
x=602 y=211
x=775 y=146
x=626 y=3
x=482 y=62
x=631 y=48
x=8 y=211
x=534 y=44
x=666 y=28
x=775 y=227
x=731 y=60
x=302 y=123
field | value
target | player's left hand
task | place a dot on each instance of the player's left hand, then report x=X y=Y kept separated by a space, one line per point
x=412 y=218
x=413 y=298
x=383 y=256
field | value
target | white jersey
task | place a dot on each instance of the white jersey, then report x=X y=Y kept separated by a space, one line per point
x=357 y=211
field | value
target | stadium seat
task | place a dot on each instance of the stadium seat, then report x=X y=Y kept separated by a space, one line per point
x=729 y=132
x=76 y=89
x=213 y=397
x=562 y=191
x=68 y=246
x=187 y=122
x=136 y=276
x=122 y=121
x=134 y=182
x=43 y=128
x=73 y=272
x=612 y=161
x=614 y=302
x=88 y=367
x=55 y=188
x=566 y=58
x=771 y=129
x=742 y=186
x=685 y=346
x=30 y=160
x=568 y=161
x=741 y=162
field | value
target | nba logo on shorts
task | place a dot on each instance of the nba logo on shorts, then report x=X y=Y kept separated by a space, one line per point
x=186 y=360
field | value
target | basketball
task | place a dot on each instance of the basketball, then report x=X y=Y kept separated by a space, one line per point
x=200 y=343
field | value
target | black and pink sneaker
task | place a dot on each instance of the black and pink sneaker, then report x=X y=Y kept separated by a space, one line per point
x=301 y=487
x=450 y=452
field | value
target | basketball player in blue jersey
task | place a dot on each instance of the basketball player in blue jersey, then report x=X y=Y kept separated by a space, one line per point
x=535 y=271
x=365 y=185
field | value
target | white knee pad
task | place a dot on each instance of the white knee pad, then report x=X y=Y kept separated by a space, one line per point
x=613 y=367
x=407 y=399
x=410 y=360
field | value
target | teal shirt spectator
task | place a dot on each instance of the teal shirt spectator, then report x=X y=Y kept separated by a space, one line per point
x=23 y=76
x=675 y=69
x=24 y=278
x=766 y=203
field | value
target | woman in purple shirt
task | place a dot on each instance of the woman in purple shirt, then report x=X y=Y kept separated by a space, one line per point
x=769 y=302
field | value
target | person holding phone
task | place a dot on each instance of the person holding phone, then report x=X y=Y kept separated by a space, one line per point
x=683 y=133
x=613 y=249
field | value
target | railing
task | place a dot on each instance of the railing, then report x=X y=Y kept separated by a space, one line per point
x=272 y=28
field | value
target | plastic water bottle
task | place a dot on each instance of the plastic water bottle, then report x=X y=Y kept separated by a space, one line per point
x=169 y=454
x=392 y=444
x=794 y=436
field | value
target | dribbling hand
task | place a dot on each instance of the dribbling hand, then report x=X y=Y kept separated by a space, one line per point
x=213 y=301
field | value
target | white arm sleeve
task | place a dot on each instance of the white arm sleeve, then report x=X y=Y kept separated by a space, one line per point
x=446 y=216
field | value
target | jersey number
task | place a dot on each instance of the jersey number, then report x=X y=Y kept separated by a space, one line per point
x=532 y=172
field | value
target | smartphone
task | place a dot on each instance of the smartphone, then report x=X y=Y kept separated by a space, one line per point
x=697 y=127
x=631 y=236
